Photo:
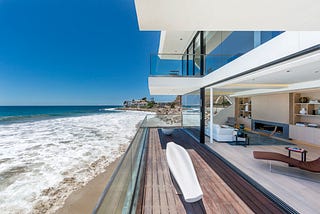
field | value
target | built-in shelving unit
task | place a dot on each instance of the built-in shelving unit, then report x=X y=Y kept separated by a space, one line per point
x=305 y=125
x=307 y=112
x=244 y=107
x=244 y=111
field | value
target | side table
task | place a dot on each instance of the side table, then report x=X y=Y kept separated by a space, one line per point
x=299 y=150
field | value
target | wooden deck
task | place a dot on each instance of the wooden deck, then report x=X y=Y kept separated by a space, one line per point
x=224 y=190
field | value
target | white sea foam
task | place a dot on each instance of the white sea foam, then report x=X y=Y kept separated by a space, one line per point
x=42 y=162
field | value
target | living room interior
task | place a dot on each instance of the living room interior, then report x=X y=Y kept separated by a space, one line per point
x=294 y=103
x=282 y=100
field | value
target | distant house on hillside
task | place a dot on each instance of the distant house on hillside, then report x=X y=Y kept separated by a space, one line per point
x=135 y=104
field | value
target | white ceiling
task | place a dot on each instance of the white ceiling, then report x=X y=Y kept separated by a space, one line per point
x=175 y=41
x=295 y=74
x=231 y=15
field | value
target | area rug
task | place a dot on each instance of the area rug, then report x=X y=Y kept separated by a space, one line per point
x=261 y=140
x=254 y=139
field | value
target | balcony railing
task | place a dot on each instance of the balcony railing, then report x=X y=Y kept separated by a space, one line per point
x=220 y=48
x=172 y=120
x=187 y=65
x=122 y=190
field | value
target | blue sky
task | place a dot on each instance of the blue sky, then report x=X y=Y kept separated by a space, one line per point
x=59 y=52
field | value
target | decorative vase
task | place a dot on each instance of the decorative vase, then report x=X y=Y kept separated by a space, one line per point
x=303 y=99
x=303 y=111
x=246 y=107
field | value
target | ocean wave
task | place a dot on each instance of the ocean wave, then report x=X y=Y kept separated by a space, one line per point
x=5 y=120
x=42 y=162
x=110 y=110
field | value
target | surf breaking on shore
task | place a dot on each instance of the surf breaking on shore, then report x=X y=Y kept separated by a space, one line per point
x=43 y=162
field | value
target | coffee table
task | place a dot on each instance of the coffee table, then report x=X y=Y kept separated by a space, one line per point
x=245 y=136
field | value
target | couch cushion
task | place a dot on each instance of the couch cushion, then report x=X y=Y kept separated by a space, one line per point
x=225 y=126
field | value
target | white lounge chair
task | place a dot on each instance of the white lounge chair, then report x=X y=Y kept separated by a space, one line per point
x=182 y=169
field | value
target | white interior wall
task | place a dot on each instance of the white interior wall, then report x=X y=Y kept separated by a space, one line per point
x=272 y=107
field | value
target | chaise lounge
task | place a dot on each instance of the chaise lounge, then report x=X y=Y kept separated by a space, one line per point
x=181 y=167
x=312 y=166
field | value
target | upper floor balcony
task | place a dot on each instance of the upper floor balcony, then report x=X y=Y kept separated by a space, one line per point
x=207 y=51
x=245 y=68
x=178 y=74
x=187 y=65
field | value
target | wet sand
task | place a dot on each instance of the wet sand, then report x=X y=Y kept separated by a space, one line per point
x=85 y=199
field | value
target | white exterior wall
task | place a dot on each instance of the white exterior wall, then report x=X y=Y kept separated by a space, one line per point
x=173 y=85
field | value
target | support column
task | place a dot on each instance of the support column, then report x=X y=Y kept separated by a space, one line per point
x=202 y=115
x=202 y=90
x=202 y=54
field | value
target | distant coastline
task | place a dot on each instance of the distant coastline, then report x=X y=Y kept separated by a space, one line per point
x=136 y=109
x=145 y=105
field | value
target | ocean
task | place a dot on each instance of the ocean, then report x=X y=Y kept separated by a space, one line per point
x=47 y=152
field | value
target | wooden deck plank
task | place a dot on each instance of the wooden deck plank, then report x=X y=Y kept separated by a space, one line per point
x=155 y=181
x=147 y=208
x=161 y=180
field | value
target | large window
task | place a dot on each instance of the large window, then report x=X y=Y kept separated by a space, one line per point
x=223 y=47
x=191 y=109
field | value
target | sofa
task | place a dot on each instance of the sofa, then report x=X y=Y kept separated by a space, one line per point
x=221 y=132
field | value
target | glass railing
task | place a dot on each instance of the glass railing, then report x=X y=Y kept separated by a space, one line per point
x=182 y=65
x=121 y=192
x=172 y=120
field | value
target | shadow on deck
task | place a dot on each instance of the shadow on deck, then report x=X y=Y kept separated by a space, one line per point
x=224 y=190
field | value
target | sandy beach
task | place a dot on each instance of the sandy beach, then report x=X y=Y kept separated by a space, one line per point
x=85 y=199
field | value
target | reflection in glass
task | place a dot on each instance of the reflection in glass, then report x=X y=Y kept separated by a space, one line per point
x=184 y=64
x=190 y=61
x=222 y=47
x=197 y=56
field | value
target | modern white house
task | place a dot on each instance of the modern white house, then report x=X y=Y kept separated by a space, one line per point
x=260 y=52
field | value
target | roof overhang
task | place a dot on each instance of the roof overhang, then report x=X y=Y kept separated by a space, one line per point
x=211 y=15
